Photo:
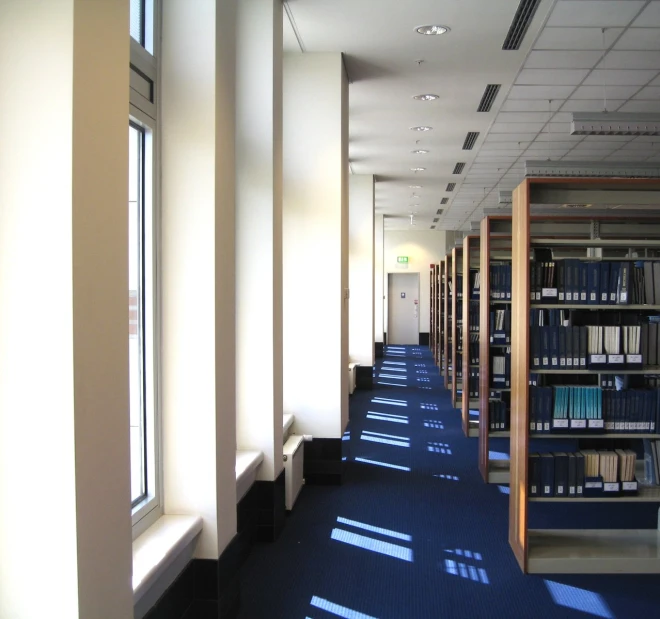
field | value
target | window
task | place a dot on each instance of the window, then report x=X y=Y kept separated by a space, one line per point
x=143 y=309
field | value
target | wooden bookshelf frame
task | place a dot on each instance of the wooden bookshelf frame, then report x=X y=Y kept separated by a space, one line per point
x=456 y=270
x=441 y=316
x=446 y=324
x=433 y=308
x=566 y=551
x=470 y=247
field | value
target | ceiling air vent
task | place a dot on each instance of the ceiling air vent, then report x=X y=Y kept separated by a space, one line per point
x=489 y=97
x=439 y=211
x=432 y=227
x=521 y=21
x=451 y=186
x=436 y=220
x=470 y=140
x=444 y=201
x=458 y=168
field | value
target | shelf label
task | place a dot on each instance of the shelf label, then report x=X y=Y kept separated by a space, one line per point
x=555 y=361
x=560 y=423
x=546 y=490
x=561 y=296
x=592 y=296
x=593 y=484
x=560 y=490
x=611 y=486
x=598 y=359
x=549 y=292
x=614 y=359
x=499 y=336
x=596 y=424
x=603 y=297
x=571 y=490
x=578 y=424
x=629 y=485
x=633 y=358
x=583 y=296
x=624 y=297
x=498 y=379
x=569 y=296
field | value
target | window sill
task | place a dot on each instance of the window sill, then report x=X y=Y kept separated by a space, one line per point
x=247 y=463
x=286 y=425
x=164 y=549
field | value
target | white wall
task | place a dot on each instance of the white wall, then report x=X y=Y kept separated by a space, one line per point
x=198 y=304
x=315 y=243
x=379 y=276
x=361 y=268
x=64 y=393
x=423 y=248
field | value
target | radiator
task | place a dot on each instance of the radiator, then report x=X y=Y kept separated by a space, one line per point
x=294 y=451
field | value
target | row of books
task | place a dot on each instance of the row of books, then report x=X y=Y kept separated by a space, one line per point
x=500 y=369
x=474 y=317
x=475 y=284
x=474 y=349
x=592 y=409
x=473 y=383
x=500 y=326
x=652 y=461
x=500 y=282
x=582 y=473
x=614 y=340
x=595 y=283
x=499 y=415
x=556 y=347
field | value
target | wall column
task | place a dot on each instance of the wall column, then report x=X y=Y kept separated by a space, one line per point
x=315 y=256
x=259 y=252
x=64 y=391
x=379 y=283
x=361 y=234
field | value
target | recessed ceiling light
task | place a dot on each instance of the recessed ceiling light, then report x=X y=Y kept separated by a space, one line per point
x=415 y=186
x=431 y=29
x=426 y=97
x=417 y=169
x=421 y=128
x=419 y=152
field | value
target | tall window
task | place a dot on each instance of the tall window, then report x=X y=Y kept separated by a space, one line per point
x=143 y=312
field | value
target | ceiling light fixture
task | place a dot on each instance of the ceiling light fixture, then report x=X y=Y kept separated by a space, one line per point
x=426 y=97
x=421 y=128
x=430 y=30
x=597 y=169
x=608 y=123
x=419 y=152
x=415 y=186
x=417 y=169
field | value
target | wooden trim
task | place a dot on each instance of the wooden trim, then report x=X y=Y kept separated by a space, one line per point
x=447 y=326
x=484 y=347
x=468 y=251
x=456 y=255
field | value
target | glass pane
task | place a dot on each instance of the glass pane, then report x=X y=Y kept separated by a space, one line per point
x=135 y=311
x=137 y=20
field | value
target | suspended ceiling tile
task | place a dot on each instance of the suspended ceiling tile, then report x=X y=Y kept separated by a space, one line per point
x=643 y=107
x=552 y=77
x=509 y=137
x=650 y=93
x=650 y=17
x=643 y=39
x=591 y=105
x=547 y=93
x=594 y=13
x=501 y=127
x=620 y=77
x=608 y=138
x=523 y=117
x=632 y=60
x=541 y=141
x=528 y=105
x=545 y=59
x=611 y=92
x=577 y=39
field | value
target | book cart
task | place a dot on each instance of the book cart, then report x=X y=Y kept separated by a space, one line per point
x=470 y=331
x=447 y=324
x=618 y=237
x=456 y=343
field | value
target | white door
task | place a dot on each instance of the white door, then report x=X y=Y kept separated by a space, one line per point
x=403 y=309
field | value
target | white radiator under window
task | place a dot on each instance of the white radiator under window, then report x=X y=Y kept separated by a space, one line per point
x=294 y=451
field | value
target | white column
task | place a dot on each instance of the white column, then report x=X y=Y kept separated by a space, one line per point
x=259 y=232
x=379 y=285
x=198 y=301
x=361 y=236
x=315 y=235
x=64 y=423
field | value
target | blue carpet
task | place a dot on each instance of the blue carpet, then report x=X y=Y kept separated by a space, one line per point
x=413 y=532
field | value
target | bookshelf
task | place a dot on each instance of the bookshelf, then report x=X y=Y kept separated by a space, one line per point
x=440 y=336
x=447 y=327
x=433 y=297
x=470 y=340
x=456 y=324
x=617 y=235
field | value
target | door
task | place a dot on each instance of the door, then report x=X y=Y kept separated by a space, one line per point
x=403 y=309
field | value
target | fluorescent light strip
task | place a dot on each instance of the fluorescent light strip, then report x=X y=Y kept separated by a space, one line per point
x=336 y=609
x=367 y=527
x=385 y=464
x=374 y=545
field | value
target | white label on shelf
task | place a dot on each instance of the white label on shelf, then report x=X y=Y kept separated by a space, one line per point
x=598 y=358
x=562 y=362
x=569 y=296
x=545 y=361
x=537 y=362
x=498 y=379
x=583 y=296
x=583 y=362
x=633 y=358
x=624 y=297
x=611 y=486
x=555 y=361
x=499 y=336
x=596 y=423
x=561 y=296
x=593 y=484
x=539 y=426
x=560 y=490
x=592 y=296
x=532 y=426
x=579 y=489
x=603 y=297
x=532 y=296
x=548 y=292
x=560 y=423
x=569 y=362
x=578 y=424
x=629 y=485
x=546 y=426
x=508 y=295
x=546 y=489
x=571 y=490
x=615 y=358
x=533 y=490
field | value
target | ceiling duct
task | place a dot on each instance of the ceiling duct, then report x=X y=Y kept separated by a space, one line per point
x=444 y=201
x=521 y=21
x=451 y=186
x=488 y=97
x=470 y=140
x=606 y=123
x=458 y=168
x=432 y=227
x=592 y=169
x=439 y=211
x=436 y=220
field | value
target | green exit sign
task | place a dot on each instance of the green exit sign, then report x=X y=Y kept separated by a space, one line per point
x=403 y=259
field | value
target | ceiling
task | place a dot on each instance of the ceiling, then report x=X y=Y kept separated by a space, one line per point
x=576 y=56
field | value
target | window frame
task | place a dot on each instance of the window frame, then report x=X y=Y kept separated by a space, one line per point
x=143 y=113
